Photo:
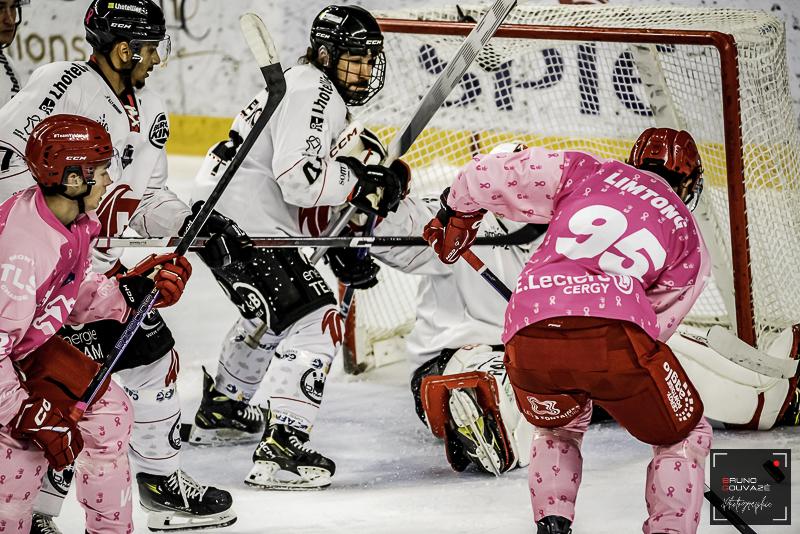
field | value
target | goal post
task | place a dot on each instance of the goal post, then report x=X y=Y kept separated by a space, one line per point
x=592 y=78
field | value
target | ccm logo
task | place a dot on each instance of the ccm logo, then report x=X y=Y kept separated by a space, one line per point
x=344 y=140
x=75 y=158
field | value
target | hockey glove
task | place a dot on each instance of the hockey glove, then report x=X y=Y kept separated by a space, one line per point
x=168 y=272
x=53 y=432
x=351 y=270
x=451 y=232
x=379 y=189
x=227 y=244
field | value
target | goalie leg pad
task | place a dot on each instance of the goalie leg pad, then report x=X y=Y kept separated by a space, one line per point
x=556 y=468
x=278 y=286
x=437 y=398
x=732 y=394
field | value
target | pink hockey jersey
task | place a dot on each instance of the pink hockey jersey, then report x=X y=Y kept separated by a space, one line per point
x=45 y=282
x=621 y=244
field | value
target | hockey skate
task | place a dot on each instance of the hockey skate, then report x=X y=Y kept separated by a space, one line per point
x=477 y=432
x=283 y=461
x=222 y=421
x=43 y=524
x=553 y=524
x=178 y=502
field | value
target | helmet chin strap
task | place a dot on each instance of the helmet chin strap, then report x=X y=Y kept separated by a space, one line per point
x=125 y=73
x=79 y=197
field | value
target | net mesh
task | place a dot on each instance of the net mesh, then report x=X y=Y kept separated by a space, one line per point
x=598 y=97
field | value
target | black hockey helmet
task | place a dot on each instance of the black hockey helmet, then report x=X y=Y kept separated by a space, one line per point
x=350 y=29
x=16 y=5
x=132 y=21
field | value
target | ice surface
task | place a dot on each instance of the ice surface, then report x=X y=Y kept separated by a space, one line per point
x=391 y=473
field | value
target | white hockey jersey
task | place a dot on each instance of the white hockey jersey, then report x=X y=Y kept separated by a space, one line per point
x=10 y=80
x=290 y=173
x=455 y=307
x=139 y=128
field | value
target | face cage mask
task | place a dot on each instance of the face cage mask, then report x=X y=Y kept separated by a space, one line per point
x=363 y=94
x=694 y=197
x=163 y=48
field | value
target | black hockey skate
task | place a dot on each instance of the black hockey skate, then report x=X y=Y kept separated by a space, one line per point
x=477 y=432
x=178 y=502
x=43 y=524
x=553 y=524
x=222 y=421
x=283 y=461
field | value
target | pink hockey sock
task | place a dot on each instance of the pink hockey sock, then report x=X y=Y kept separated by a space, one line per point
x=675 y=477
x=554 y=473
x=102 y=475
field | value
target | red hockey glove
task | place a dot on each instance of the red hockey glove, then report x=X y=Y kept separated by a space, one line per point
x=168 y=272
x=44 y=424
x=451 y=232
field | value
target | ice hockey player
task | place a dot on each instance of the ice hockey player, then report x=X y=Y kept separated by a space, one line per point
x=10 y=19
x=621 y=264
x=46 y=233
x=128 y=40
x=307 y=159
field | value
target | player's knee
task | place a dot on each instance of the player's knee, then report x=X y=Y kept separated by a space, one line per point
x=695 y=447
x=109 y=426
x=573 y=437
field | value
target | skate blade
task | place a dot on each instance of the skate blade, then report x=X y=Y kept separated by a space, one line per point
x=269 y=476
x=221 y=437
x=180 y=521
x=466 y=414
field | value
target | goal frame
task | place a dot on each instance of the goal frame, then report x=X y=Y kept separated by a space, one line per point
x=731 y=112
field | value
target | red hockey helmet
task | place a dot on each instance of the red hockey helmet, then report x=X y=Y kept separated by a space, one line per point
x=671 y=154
x=63 y=144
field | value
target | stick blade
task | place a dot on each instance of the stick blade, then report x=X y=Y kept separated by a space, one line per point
x=259 y=40
x=726 y=343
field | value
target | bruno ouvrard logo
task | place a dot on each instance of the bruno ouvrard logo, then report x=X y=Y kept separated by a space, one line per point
x=753 y=483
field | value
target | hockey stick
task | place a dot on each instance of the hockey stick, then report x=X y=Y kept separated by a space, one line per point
x=434 y=98
x=726 y=344
x=266 y=55
x=523 y=236
x=715 y=500
x=349 y=357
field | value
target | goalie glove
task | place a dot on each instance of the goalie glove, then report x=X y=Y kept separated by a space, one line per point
x=227 y=244
x=452 y=232
x=167 y=272
x=379 y=189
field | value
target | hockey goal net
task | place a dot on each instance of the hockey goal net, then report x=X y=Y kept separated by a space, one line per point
x=592 y=78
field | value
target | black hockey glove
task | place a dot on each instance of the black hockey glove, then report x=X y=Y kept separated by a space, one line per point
x=379 y=189
x=227 y=244
x=352 y=270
